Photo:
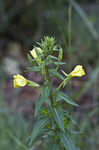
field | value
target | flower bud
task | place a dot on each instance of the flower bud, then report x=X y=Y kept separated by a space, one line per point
x=19 y=81
x=78 y=71
x=35 y=55
x=60 y=54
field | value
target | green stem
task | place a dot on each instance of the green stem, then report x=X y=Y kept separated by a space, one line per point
x=49 y=79
x=69 y=26
x=63 y=83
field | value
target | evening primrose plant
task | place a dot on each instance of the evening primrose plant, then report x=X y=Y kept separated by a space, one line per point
x=55 y=125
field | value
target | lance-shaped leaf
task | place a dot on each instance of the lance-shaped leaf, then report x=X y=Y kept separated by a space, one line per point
x=53 y=147
x=45 y=92
x=52 y=57
x=71 y=131
x=32 y=84
x=56 y=74
x=59 y=63
x=43 y=98
x=59 y=118
x=34 y=68
x=67 y=114
x=67 y=99
x=38 y=105
x=67 y=141
x=37 y=128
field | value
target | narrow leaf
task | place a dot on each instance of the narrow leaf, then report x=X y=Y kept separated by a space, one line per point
x=59 y=118
x=68 y=144
x=38 y=104
x=66 y=98
x=32 y=84
x=45 y=92
x=73 y=131
x=59 y=63
x=53 y=57
x=56 y=74
x=34 y=69
x=53 y=147
x=38 y=126
x=70 y=117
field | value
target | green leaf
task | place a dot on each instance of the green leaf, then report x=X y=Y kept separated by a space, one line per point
x=45 y=93
x=71 y=131
x=32 y=84
x=67 y=141
x=56 y=74
x=53 y=147
x=34 y=68
x=38 y=126
x=38 y=104
x=52 y=57
x=67 y=99
x=17 y=140
x=59 y=63
x=59 y=118
x=44 y=97
x=70 y=117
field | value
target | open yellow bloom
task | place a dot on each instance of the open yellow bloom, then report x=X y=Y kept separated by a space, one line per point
x=34 y=54
x=78 y=71
x=19 y=81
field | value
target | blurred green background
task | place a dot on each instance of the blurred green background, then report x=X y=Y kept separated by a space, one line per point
x=75 y=25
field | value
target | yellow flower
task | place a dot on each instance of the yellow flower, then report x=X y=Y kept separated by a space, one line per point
x=78 y=71
x=19 y=81
x=34 y=54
